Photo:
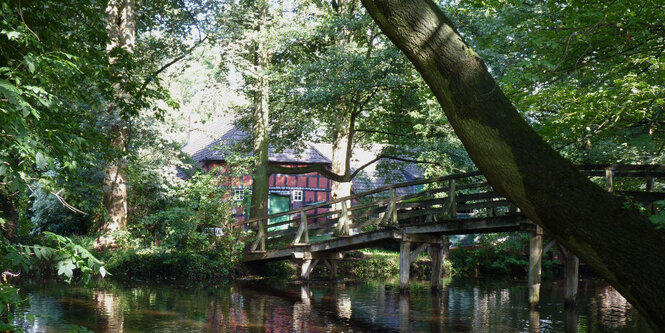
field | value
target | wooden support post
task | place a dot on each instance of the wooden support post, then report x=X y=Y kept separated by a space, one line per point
x=303 y=220
x=430 y=217
x=609 y=180
x=437 y=263
x=332 y=269
x=307 y=267
x=535 y=259
x=452 y=196
x=490 y=211
x=389 y=214
x=262 y=233
x=393 y=210
x=404 y=266
x=302 y=230
x=649 y=188
x=571 y=273
x=414 y=254
x=331 y=265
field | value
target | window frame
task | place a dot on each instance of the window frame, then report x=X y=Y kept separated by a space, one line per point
x=297 y=193
x=239 y=194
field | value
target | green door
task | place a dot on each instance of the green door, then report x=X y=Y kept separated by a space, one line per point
x=277 y=204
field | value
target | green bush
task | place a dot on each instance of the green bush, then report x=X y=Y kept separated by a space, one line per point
x=170 y=240
x=186 y=265
x=496 y=254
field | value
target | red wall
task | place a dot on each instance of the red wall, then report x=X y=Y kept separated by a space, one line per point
x=315 y=188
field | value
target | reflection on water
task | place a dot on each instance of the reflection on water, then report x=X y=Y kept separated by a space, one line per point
x=323 y=307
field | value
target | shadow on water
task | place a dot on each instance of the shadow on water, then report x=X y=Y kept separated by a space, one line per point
x=265 y=306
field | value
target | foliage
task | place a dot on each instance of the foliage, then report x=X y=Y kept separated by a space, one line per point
x=214 y=264
x=375 y=267
x=659 y=219
x=59 y=253
x=172 y=238
x=382 y=265
x=587 y=75
x=45 y=86
x=494 y=254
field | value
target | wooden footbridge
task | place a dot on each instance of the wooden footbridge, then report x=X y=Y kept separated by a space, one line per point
x=421 y=214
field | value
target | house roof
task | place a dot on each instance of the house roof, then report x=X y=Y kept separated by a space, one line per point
x=214 y=141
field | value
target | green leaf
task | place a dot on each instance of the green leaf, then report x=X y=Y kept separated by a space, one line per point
x=30 y=63
x=41 y=161
x=102 y=271
x=66 y=267
x=12 y=35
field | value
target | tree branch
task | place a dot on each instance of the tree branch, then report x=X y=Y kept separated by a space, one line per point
x=318 y=167
x=169 y=64
x=321 y=168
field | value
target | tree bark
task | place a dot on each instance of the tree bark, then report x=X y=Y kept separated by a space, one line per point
x=341 y=158
x=343 y=127
x=121 y=31
x=622 y=245
x=259 y=206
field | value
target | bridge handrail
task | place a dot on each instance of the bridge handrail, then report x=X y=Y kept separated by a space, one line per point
x=424 y=204
x=646 y=169
x=363 y=194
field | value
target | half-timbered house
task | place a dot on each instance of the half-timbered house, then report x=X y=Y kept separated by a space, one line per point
x=210 y=147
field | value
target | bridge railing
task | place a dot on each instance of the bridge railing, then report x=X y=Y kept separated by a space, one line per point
x=452 y=197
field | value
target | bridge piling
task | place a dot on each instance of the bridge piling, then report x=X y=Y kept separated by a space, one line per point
x=404 y=266
x=331 y=265
x=437 y=262
x=571 y=274
x=439 y=254
x=307 y=267
x=535 y=260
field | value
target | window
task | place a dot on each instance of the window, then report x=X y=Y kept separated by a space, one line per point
x=238 y=194
x=297 y=195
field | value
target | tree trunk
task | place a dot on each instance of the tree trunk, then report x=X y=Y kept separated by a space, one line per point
x=122 y=34
x=341 y=158
x=622 y=245
x=343 y=127
x=259 y=206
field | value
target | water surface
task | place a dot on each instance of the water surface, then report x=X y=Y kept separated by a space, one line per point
x=264 y=306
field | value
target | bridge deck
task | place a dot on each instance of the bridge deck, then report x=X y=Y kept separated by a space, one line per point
x=417 y=233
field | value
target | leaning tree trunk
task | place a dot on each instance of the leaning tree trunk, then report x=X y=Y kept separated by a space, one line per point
x=259 y=206
x=122 y=32
x=622 y=245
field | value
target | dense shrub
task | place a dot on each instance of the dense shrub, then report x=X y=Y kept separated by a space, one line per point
x=186 y=265
x=172 y=241
x=496 y=254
